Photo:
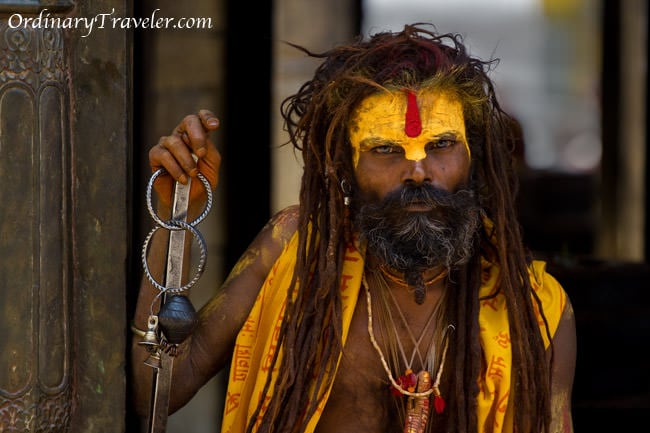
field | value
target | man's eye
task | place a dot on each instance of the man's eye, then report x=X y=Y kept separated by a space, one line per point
x=442 y=143
x=386 y=149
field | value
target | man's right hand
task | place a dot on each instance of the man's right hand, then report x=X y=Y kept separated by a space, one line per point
x=175 y=153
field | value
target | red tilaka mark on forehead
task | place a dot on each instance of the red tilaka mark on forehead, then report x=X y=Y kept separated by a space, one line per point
x=412 y=122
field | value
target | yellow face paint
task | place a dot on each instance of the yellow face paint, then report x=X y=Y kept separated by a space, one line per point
x=382 y=118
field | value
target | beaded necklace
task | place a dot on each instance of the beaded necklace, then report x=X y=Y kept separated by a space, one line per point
x=418 y=388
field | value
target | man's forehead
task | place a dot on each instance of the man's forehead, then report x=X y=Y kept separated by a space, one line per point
x=431 y=110
x=436 y=103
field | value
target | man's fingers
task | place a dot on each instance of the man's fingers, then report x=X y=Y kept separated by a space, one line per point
x=173 y=155
x=194 y=130
x=209 y=120
x=189 y=141
x=192 y=133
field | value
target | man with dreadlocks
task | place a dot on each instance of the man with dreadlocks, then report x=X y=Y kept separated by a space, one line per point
x=397 y=296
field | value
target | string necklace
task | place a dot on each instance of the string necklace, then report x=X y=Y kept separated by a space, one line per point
x=418 y=394
x=416 y=342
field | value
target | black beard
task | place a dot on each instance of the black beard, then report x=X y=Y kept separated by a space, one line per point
x=411 y=242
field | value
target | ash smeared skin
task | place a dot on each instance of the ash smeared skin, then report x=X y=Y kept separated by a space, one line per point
x=278 y=226
x=281 y=221
x=259 y=257
x=246 y=260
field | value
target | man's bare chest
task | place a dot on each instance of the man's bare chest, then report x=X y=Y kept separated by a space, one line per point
x=361 y=397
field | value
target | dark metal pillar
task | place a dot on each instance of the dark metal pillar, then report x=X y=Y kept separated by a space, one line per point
x=35 y=283
x=64 y=158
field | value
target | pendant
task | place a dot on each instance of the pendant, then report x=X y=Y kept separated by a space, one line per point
x=417 y=408
x=407 y=381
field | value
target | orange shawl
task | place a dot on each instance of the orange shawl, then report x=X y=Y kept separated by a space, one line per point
x=257 y=340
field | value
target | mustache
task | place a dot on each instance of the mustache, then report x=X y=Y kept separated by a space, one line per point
x=450 y=202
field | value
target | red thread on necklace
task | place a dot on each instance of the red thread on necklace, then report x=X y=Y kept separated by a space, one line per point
x=438 y=404
x=412 y=122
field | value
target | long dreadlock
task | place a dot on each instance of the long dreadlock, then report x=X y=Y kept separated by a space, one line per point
x=316 y=119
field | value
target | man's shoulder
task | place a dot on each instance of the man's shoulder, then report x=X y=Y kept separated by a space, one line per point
x=285 y=221
x=281 y=227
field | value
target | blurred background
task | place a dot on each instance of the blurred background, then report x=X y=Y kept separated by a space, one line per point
x=80 y=112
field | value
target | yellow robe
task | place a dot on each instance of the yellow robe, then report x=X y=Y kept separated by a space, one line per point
x=257 y=340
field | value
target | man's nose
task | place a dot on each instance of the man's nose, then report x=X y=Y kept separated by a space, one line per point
x=416 y=172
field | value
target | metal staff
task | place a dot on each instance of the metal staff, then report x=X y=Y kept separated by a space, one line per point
x=176 y=318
